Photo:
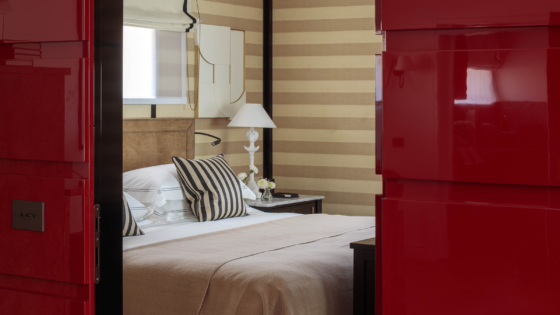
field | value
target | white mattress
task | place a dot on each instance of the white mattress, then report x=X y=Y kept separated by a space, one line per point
x=163 y=233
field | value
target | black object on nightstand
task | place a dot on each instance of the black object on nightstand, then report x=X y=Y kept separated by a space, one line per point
x=364 y=277
x=304 y=204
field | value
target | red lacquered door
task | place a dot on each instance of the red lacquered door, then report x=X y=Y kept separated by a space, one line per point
x=46 y=157
x=460 y=259
x=471 y=116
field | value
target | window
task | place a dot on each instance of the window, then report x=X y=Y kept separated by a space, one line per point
x=154 y=66
x=480 y=88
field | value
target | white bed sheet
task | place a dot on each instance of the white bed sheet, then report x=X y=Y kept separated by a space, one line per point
x=164 y=233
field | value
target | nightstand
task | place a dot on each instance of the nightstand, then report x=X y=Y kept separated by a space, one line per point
x=304 y=204
x=364 y=276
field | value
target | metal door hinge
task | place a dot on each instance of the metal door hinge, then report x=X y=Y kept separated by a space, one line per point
x=97 y=241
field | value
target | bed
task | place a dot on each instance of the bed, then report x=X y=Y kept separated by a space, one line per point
x=262 y=263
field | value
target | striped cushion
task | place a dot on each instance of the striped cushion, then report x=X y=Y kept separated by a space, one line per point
x=212 y=189
x=130 y=228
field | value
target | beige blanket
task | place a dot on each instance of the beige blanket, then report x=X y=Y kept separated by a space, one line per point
x=298 y=265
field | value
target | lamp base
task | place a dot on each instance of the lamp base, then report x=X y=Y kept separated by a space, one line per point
x=252 y=136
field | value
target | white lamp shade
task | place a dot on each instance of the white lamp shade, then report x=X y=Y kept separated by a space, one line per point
x=252 y=115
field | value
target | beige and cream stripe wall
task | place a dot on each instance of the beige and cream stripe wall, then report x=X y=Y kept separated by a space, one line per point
x=324 y=102
x=246 y=15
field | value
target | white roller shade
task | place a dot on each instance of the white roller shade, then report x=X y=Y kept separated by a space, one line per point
x=165 y=15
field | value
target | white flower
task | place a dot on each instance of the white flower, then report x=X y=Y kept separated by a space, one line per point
x=271 y=185
x=254 y=169
x=242 y=176
x=262 y=183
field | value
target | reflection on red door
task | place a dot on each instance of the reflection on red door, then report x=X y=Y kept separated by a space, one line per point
x=46 y=150
x=471 y=158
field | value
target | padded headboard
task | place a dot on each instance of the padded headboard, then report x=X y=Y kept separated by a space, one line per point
x=154 y=141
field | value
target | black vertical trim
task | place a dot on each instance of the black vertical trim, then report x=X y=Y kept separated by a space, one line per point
x=154 y=111
x=267 y=85
x=108 y=153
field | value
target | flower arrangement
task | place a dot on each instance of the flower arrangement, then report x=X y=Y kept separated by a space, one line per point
x=253 y=169
x=243 y=176
x=263 y=183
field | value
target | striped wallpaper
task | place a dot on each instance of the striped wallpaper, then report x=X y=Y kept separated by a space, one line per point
x=238 y=15
x=246 y=15
x=324 y=102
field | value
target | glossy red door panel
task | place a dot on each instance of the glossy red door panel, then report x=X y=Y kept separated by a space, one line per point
x=378 y=252
x=46 y=147
x=475 y=39
x=487 y=116
x=58 y=253
x=44 y=287
x=46 y=169
x=441 y=14
x=45 y=107
x=43 y=21
x=51 y=50
x=442 y=258
x=458 y=192
x=21 y=303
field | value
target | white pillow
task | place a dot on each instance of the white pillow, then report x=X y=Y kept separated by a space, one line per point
x=153 y=185
x=139 y=210
x=174 y=211
x=247 y=193
x=155 y=196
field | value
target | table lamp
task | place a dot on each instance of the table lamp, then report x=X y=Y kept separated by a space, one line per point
x=252 y=116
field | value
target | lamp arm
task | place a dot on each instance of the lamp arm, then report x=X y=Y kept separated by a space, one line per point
x=211 y=136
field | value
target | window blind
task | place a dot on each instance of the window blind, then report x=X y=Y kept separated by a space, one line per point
x=165 y=15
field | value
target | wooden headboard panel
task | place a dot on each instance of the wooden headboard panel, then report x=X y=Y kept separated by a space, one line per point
x=154 y=141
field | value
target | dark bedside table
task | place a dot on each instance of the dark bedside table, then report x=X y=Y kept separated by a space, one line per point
x=364 y=276
x=304 y=204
